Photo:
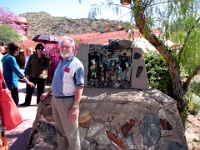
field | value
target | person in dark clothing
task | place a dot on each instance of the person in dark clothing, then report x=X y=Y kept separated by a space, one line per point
x=37 y=72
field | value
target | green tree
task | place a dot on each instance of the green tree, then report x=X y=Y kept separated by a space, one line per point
x=178 y=20
x=8 y=34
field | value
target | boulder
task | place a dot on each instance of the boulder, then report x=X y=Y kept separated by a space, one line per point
x=117 y=119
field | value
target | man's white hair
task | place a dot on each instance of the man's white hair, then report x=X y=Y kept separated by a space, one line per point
x=65 y=38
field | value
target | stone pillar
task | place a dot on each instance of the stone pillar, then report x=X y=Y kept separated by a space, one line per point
x=82 y=55
x=139 y=78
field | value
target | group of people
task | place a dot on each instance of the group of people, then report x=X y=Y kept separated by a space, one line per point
x=35 y=71
x=66 y=89
x=12 y=72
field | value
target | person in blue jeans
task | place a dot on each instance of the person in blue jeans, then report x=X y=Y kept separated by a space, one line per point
x=12 y=72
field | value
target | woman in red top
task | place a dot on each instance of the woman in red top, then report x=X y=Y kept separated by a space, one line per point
x=3 y=140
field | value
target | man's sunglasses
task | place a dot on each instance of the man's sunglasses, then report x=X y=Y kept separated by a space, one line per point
x=40 y=48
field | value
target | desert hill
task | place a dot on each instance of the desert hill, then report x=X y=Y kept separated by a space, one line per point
x=44 y=23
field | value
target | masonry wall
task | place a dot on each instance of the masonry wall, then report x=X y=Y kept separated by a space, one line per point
x=117 y=119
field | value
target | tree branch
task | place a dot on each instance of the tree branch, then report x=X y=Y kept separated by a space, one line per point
x=109 y=4
x=160 y=2
x=189 y=78
x=187 y=37
x=195 y=92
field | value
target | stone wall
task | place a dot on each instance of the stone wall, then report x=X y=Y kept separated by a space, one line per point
x=117 y=119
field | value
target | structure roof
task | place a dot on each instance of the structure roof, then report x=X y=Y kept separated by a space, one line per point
x=101 y=38
x=97 y=38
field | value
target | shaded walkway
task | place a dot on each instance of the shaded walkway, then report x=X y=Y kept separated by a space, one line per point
x=22 y=140
x=18 y=137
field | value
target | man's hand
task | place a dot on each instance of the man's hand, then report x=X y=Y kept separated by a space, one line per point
x=44 y=96
x=73 y=114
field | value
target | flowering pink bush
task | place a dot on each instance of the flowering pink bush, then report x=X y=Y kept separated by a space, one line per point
x=53 y=53
x=9 y=18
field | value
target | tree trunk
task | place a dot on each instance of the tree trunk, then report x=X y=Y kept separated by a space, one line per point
x=172 y=64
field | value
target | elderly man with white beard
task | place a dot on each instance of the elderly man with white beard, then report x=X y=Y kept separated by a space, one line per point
x=67 y=89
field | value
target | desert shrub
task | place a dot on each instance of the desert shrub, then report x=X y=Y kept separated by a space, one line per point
x=159 y=78
x=158 y=73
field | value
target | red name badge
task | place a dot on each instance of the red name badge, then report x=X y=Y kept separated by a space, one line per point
x=67 y=70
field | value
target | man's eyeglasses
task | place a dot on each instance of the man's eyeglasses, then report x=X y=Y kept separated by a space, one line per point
x=65 y=47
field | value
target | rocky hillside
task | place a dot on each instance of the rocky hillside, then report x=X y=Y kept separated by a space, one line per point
x=44 y=23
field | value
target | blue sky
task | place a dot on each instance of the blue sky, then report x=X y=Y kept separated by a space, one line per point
x=63 y=8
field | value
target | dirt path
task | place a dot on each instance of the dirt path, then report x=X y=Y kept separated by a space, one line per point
x=192 y=132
